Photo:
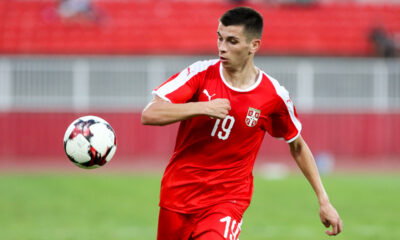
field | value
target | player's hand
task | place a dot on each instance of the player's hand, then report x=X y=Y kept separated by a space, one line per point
x=218 y=108
x=330 y=217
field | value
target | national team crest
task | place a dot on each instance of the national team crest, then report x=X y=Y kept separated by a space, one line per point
x=252 y=117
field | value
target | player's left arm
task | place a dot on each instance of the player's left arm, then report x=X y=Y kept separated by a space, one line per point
x=305 y=160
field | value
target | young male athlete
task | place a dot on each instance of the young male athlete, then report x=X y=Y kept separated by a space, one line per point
x=225 y=107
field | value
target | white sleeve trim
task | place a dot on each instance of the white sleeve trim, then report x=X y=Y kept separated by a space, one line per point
x=155 y=93
x=290 y=140
x=294 y=138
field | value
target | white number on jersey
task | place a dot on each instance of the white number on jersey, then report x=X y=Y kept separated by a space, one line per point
x=232 y=229
x=225 y=127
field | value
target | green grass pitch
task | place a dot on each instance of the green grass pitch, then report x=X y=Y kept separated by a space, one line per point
x=101 y=206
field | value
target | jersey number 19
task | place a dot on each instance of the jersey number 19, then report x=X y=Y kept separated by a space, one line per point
x=226 y=127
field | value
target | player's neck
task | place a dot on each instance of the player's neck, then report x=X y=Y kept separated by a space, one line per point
x=242 y=77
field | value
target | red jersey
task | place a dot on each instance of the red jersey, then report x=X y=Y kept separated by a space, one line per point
x=213 y=158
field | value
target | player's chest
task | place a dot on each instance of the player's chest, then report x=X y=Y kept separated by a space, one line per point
x=249 y=110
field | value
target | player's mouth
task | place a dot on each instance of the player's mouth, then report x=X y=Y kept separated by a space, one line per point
x=222 y=59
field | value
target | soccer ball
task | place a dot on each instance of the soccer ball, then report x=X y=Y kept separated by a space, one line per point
x=90 y=142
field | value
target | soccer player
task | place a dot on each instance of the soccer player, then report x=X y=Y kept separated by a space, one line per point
x=225 y=106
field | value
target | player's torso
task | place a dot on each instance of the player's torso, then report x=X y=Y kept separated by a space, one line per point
x=247 y=119
x=214 y=158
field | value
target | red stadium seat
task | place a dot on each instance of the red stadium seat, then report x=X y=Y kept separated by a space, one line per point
x=158 y=27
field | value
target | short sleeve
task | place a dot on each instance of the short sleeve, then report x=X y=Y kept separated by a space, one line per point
x=181 y=87
x=284 y=122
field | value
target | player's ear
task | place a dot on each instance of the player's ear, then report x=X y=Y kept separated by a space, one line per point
x=254 y=45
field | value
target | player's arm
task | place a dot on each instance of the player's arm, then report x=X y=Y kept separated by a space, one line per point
x=305 y=160
x=161 y=112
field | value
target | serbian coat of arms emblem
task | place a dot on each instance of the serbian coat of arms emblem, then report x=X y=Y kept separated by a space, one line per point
x=252 y=117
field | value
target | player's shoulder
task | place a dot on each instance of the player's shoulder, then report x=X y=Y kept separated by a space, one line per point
x=203 y=65
x=279 y=89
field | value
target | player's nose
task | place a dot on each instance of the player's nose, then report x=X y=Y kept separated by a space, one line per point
x=221 y=47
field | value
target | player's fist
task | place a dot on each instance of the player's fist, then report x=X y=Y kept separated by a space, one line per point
x=218 y=108
x=330 y=217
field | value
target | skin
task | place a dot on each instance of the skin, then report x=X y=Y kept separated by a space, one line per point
x=236 y=49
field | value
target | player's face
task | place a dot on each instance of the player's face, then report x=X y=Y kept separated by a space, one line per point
x=234 y=48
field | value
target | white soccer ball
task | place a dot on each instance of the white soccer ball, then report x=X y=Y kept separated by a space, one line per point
x=90 y=142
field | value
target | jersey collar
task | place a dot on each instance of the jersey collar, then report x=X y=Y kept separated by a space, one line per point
x=252 y=87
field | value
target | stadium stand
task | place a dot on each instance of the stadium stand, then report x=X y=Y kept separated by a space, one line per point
x=349 y=106
x=185 y=27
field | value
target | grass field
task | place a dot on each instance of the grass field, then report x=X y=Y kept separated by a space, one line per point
x=61 y=206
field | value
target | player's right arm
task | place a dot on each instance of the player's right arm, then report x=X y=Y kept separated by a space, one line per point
x=160 y=112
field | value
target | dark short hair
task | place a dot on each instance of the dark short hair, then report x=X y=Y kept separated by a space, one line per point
x=246 y=16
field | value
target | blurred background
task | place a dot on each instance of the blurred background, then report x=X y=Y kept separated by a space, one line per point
x=60 y=60
x=68 y=58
